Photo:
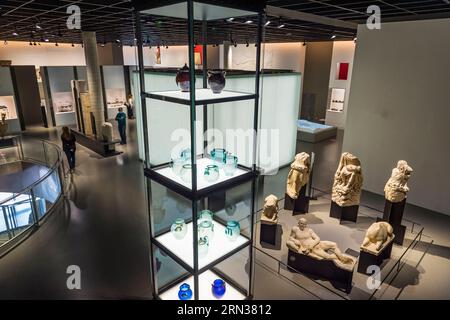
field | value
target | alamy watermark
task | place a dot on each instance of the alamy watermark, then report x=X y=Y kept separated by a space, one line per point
x=374 y=20
x=73 y=281
x=74 y=20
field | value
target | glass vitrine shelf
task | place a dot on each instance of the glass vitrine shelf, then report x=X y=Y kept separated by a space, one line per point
x=165 y=175
x=205 y=280
x=202 y=96
x=219 y=246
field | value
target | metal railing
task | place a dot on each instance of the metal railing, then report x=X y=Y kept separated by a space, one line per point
x=23 y=208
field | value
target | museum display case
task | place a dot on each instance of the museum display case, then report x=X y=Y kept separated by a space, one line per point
x=201 y=177
x=58 y=94
x=113 y=78
x=8 y=109
x=336 y=100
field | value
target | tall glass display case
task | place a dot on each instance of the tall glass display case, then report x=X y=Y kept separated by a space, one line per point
x=201 y=179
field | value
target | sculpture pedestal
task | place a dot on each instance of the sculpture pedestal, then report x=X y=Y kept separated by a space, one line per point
x=299 y=205
x=367 y=258
x=344 y=213
x=268 y=233
x=393 y=213
x=7 y=141
x=321 y=268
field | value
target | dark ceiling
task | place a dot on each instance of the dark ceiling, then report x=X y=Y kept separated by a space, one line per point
x=37 y=20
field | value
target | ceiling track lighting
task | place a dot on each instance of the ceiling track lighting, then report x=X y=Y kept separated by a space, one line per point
x=56 y=44
x=267 y=23
x=230 y=19
x=304 y=43
x=280 y=24
x=35 y=44
x=354 y=39
x=333 y=37
x=73 y=45
x=46 y=40
x=247 y=44
x=248 y=21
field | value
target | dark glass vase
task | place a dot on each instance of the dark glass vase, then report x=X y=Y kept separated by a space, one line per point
x=216 y=80
x=182 y=78
x=218 y=288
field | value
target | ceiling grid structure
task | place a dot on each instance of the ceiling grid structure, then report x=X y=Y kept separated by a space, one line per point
x=45 y=20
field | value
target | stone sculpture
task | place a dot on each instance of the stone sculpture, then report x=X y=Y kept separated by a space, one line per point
x=270 y=210
x=304 y=240
x=107 y=132
x=396 y=187
x=298 y=175
x=348 y=181
x=378 y=234
x=3 y=125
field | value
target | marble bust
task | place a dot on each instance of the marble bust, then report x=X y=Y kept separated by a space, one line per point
x=348 y=181
x=396 y=187
x=377 y=236
x=298 y=175
x=304 y=240
x=270 y=211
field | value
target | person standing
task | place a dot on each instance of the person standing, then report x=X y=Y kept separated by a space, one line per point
x=68 y=142
x=130 y=104
x=121 y=119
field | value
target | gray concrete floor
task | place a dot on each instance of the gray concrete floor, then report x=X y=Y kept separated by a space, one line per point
x=104 y=230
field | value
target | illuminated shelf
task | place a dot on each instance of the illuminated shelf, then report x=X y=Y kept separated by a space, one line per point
x=205 y=280
x=202 y=96
x=219 y=245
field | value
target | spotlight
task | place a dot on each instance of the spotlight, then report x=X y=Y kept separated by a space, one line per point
x=56 y=44
x=235 y=44
x=267 y=23
x=73 y=45
x=39 y=43
x=15 y=34
x=38 y=26
x=34 y=43
x=31 y=43
x=333 y=36
x=304 y=43
x=118 y=40
x=354 y=39
x=230 y=19
x=280 y=24
x=247 y=44
x=46 y=40
x=248 y=21
x=102 y=44
x=82 y=45
x=167 y=47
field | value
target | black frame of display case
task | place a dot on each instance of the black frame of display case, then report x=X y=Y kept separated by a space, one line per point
x=257 y=7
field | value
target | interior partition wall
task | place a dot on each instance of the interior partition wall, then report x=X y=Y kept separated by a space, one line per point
x=189 y=250
x=8 y=103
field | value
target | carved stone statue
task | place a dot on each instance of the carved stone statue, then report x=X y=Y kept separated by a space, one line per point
x=348 y=181
x=303 y=240
x=3 y=125
x=378 y=234
x=396 y=187
x=298 y=175
x=270 y=210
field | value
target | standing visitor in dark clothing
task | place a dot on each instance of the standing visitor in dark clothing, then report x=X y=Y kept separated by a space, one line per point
x=69 y=147
x=121 y=119
x=130 y=104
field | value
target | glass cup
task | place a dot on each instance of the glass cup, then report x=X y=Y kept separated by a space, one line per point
x=206 y=229
x=186 y=173
x=205 y=215
x=232 y=230
x=218 y=155
x=211 y=173
x=230 y=164
x=186 y=154
x=177 y=165
x=179 y=229
x=203 y=246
